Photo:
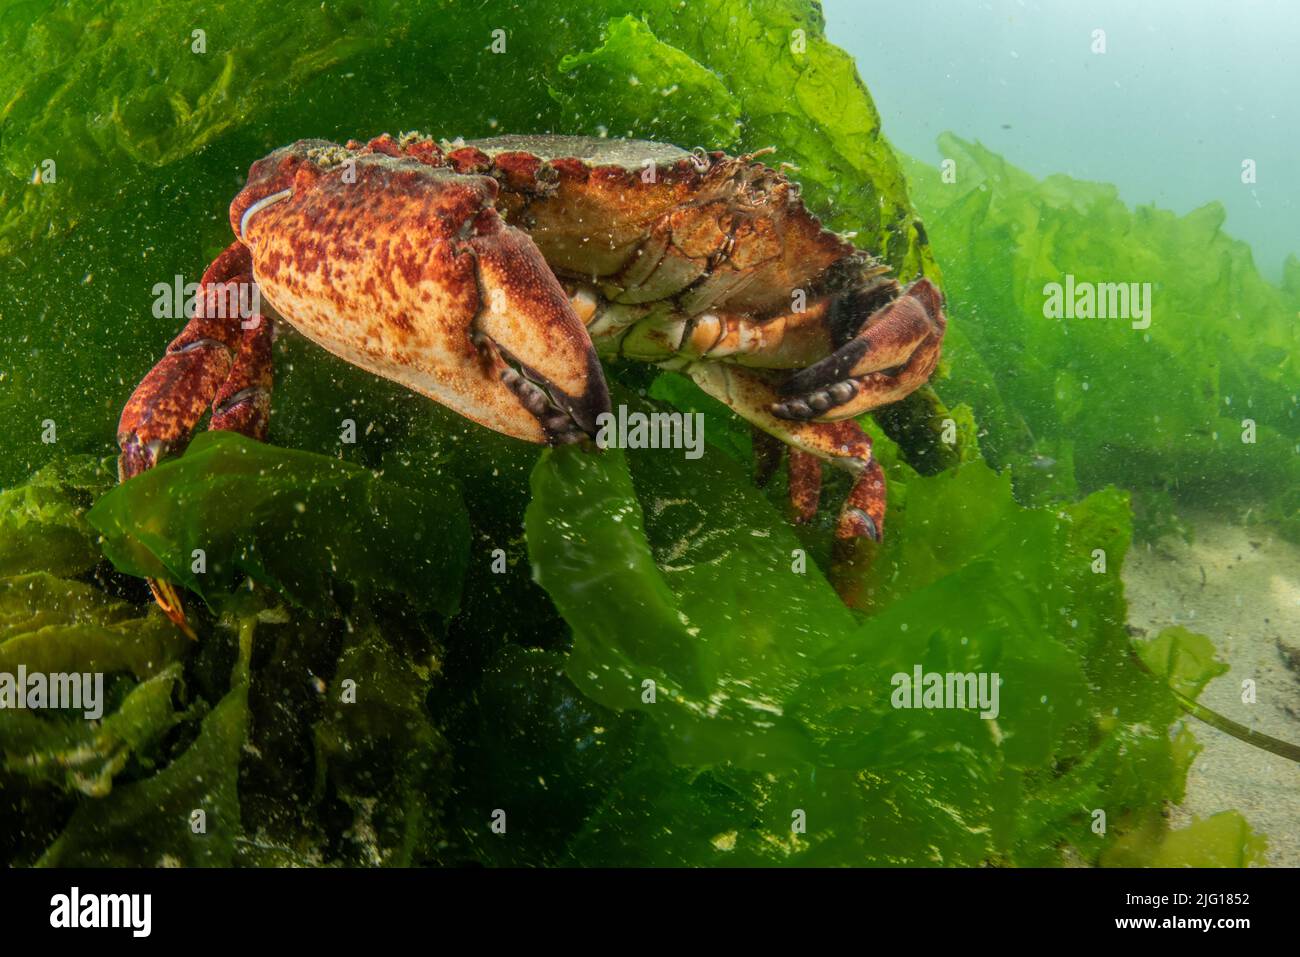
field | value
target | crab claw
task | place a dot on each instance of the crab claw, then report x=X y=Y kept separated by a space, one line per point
x=534 y=342
x=894 y=352
x=447 y=299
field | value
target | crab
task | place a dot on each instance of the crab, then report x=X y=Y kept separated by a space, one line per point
x=492 y=275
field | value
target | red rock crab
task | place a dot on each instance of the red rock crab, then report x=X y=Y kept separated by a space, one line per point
x=489 y=275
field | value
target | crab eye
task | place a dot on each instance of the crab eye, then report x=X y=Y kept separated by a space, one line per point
x=260 y=205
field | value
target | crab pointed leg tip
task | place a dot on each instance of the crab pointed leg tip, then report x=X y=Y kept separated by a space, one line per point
x=169 y=600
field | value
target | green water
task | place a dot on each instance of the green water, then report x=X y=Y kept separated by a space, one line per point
x=462 y=648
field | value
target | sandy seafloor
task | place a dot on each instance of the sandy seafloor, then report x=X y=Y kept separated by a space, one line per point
x=1240 y=586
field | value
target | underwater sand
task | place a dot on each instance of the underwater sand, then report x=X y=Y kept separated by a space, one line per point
x=1248 y=603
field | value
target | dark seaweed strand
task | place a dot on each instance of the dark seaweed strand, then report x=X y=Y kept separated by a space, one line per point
x=1211 y=717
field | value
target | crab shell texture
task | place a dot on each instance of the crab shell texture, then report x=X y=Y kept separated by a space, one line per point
x=407 y=270
x=456 y=269
x=653 y=222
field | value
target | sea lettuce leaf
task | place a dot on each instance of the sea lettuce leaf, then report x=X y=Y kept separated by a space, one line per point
x=1184 y=659
x=106 y=91
x=153 y=821
x=55 y=625
x=293 y=521
x=669 y=93
x=380 y=753
x=42 y=526
x=85 y=757
x=1201 y=404
x=1223 y=840
x=56 y=619
x=769 y=697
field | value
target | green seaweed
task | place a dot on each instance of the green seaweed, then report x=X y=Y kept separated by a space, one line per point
x=78 y=756
x=379 y=751
x=41 y=523
x=52 y=624
x=762 y=677
x=676 y=90
x=123 y=87
x=1223 y=840
x=1201 y=404
x=254 y=510
x=499 y=610
x=153 y=821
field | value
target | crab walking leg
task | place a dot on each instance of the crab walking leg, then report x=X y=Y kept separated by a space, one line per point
x=167 y=404
x=893 y=353
x=654 y=333
x=843 y=444
x=172 y=397
x=243 y=403
x=788 y=341
x=805 y=485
